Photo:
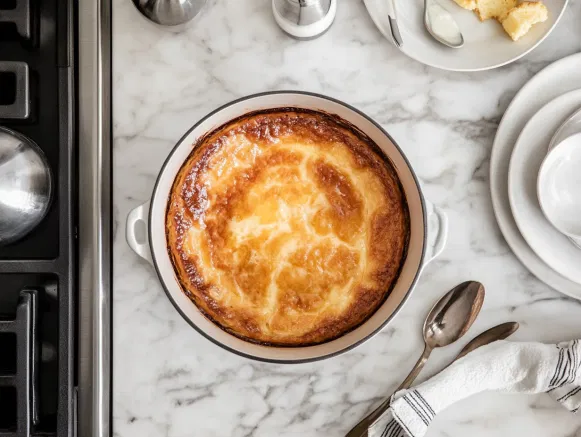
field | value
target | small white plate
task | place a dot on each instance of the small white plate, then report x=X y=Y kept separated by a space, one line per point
x=556 y=79
x=529 y=151
x=486 y=45
x=558 y=187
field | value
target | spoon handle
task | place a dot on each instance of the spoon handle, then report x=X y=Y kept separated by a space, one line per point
x=393 y=26
x=416 y=369
x=361 y=428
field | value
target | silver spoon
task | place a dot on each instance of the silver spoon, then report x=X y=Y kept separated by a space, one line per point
x=446 y=322
x=441 y=25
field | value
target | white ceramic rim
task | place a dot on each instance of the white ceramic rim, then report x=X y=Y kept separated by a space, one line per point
x=564 y=130
x=189 y=311
x=542 y=88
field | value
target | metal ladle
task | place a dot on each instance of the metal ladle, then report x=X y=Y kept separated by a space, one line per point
x=446 y=322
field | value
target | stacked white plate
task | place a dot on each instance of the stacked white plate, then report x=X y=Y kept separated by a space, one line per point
x=520 y=145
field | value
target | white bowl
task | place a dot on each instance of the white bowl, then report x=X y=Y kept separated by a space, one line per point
x=559 y=186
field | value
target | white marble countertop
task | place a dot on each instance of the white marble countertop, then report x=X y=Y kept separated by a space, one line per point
x=168 y=380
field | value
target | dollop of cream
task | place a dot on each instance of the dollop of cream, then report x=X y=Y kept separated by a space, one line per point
x=443 y=24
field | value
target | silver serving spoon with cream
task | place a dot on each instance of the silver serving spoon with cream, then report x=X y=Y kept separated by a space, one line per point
x=441 y=25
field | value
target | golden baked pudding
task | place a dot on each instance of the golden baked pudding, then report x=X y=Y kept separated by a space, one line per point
x=287 y=227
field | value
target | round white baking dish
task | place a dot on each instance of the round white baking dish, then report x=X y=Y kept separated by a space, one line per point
x=427 y=237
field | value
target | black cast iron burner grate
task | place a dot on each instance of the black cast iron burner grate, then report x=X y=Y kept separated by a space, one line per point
x=38 y=285
x=18 y=13
x=19 y=380
x=14 y=90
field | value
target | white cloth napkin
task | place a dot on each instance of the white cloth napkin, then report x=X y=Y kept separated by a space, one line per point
x=501 y=366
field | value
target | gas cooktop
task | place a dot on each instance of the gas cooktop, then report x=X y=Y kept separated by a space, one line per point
x=55 y=281
x=38 y=271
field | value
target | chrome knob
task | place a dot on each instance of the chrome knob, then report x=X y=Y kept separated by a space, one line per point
x=25 y=186
x=304 y=19
x=169 y=12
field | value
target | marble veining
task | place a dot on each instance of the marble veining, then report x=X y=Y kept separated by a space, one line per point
x=168 y=380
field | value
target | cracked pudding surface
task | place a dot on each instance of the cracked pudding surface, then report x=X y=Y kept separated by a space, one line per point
x=287 y=227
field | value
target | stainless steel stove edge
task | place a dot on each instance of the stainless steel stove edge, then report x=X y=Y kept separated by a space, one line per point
x=95 y=232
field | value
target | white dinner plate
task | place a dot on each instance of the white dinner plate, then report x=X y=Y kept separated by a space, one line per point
x=529 y=152
x=486 y=46
x=556 y=79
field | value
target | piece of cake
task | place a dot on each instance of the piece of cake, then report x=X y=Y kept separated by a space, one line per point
x=521 y=18
x=467 y=4
x=486 y=9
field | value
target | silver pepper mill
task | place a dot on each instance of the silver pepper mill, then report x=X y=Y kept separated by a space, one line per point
x=304 y=19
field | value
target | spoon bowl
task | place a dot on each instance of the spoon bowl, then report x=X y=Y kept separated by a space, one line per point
x=453 y=314
x=441 y=25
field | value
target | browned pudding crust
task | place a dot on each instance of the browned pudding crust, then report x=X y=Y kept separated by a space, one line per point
x=287 y=227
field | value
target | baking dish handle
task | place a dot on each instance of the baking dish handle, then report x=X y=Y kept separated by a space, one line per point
x=437 y=233
x=141 y=248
